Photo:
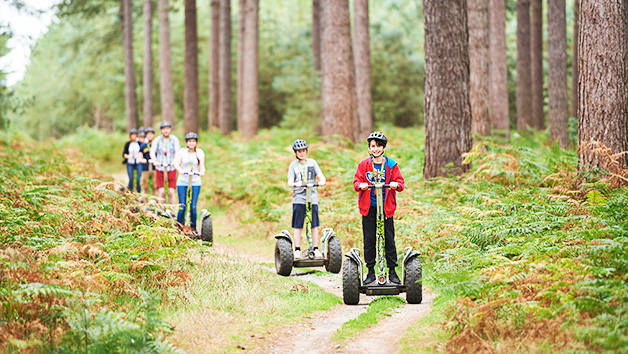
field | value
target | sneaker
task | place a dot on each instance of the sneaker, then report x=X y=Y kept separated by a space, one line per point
x=370 y=277
x=317 y=254
x=297 y=254
x=392 y=276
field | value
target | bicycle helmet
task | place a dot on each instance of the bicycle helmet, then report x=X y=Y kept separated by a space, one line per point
x=142 y=134
x=379 y=136
x=133 y=131
x=191 y=135
x=165 y=124
x=299 y=144
x=150 y=130
x=141 y=130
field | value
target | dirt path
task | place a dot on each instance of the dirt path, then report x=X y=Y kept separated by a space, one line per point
x=313 y=334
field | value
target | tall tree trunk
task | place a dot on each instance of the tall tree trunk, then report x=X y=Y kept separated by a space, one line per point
x=225 y=119
x=478 y=66
x=190 y=87
x=447 y=106
x=524 y=80
x=574 y=65
x=557 y=80
x=338 y=90
x=602 y=77
x=498 y=74
x=165 y=65
x=362 y=57
x=536 y=65
x=214 y=77
x=250 y=70
x=316 y=33
x=129 y=69
x=240 y=64
x=148 y=63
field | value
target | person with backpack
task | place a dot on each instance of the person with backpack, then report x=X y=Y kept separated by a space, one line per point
x=189 y=161
x=162 y=153
x=133 y=160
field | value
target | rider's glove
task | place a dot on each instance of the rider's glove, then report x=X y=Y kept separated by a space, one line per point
x=363 y=185
x=394 y=185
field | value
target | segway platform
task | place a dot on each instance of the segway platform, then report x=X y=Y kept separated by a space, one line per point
x=383 y=289
x=306 y=262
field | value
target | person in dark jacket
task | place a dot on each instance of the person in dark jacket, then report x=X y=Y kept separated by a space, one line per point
x=133 y=159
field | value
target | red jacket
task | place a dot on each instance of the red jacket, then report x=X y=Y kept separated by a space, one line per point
x=392 y=175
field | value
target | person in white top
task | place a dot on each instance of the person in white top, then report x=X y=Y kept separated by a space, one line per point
x=189 y=161
x=133 y=160
x=162 y=152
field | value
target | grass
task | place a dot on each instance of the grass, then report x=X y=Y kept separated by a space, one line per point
x=379 y=308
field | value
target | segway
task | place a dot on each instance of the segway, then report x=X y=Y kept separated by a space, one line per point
x=206 y=220
x=330 y=245
x=353 y=267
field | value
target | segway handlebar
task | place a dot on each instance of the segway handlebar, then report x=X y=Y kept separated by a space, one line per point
x=378 y=185
x=308 y=185
x=191 y=174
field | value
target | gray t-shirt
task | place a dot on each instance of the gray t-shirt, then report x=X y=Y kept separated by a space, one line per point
x=296 y=171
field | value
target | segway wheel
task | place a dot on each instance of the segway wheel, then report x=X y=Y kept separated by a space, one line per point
x=283 y=257
x=350 y=282
x=335 y=256
x=207 y=232
x=413 y=280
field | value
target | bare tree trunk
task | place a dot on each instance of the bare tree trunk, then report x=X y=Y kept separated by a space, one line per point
x=524 y=80
x=447 y=106
x=250 y=70
x=190 y=87
x=574 y=66
x=338 y=74
x=536 y=65
x=602 y=77
x=126 y=14
x=148 y=63
x=362 y=57
x=498 y=78
x=316 y=33
x=165 y=66
x=478 y=66
x=557 y=80
x=214 y=77
x=240 y=64
x=225 y=119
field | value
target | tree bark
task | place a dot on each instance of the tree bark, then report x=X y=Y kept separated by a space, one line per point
x=447 y=106
x=338 y=87
x=574 y=66
x=225 y=118
x=557 y=78
x=498 y=86
x=214 y=78
x=602 y=78
x=362 y=57
x=524 y=80
x=250 y=69
x=478 y=66
x=240 y=65
x=165 y=65
x=148 y=63
x=536 y=65
x=190 y=87
x=129 y=69
x=316 y=33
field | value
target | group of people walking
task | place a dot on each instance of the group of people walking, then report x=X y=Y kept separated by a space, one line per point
x=165 y=156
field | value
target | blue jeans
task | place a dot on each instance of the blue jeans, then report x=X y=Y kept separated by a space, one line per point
x=182 y=191
x=129 y=169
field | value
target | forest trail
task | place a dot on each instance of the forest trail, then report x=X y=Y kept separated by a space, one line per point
x=313 y=334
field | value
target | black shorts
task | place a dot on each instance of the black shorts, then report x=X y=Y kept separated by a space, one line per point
x=298 y=216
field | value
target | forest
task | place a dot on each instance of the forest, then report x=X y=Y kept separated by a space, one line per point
x=508 y=118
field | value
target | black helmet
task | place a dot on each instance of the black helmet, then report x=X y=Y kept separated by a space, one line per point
x=379 y=136
x=299 y=144
x=165 y=124
x=191 y=135
x=133 y=131
x=150 y=130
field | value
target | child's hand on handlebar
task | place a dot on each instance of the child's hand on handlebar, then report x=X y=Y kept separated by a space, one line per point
x=297 y=184
x=394 y=185
x=363 y=186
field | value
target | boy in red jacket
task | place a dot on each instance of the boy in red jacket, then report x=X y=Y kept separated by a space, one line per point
x=378 y=168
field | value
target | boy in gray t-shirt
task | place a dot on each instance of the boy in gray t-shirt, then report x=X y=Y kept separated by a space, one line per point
x=303 y=171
